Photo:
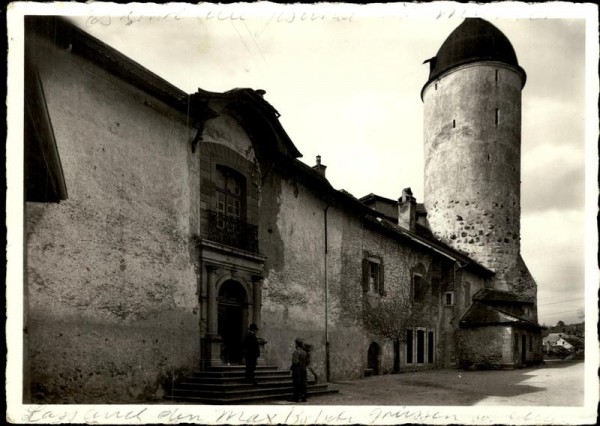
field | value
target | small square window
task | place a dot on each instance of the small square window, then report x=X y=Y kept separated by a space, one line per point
x=449 y=298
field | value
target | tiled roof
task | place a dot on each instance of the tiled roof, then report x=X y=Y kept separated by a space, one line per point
x=481 y=314
x=493 y=295
x=431 y=244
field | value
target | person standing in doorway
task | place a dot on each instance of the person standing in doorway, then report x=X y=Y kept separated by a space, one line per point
x=251 y=352
x=299 y=372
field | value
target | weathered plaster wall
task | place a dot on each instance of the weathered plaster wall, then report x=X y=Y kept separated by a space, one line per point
x=112 y=283
x=472 y=165
x=291 y=235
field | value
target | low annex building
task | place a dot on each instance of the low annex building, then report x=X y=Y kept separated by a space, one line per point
x=160 y=224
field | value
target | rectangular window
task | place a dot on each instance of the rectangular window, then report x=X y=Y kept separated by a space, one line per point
x=420 y=346
x=230 y=192
x=497 y=116
x=516 y=342
x=496 y=75
x=449 y=298
x=430 y=347
x=374 y=277
x=409 y=346
x=373 y=274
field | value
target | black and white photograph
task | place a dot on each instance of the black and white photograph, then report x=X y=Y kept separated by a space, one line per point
x=262 y=213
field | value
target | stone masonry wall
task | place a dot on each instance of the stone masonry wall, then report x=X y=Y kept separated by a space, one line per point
x=472 y=164
x=112 y=303
x=485 y=347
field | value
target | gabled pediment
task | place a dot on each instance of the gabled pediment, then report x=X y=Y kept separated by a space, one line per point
x=259 y=119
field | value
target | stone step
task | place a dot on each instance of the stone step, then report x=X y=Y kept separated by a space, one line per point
x=236 y=378
x=238 y=373
x=241 y=367
x=245 y=397
x=226 y=385
x=220 y=386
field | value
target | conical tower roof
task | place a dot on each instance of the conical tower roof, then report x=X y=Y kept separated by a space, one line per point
x=474 y=40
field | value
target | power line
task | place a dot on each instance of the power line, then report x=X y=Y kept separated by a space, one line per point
x=562 y=301
x=556 y=313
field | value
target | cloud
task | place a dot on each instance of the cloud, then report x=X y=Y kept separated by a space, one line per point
x=553 y=178
x=552 y=244
x=549 y=121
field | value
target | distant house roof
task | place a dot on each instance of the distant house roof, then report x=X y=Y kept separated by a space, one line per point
x=493 y=295
x=573 y=340
x=480 y=314
x=553 y=338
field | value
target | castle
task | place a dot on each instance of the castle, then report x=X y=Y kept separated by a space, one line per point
x=160 y=224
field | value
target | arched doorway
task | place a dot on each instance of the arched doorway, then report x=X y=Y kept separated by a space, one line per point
x=373 y=358
x=232 y=308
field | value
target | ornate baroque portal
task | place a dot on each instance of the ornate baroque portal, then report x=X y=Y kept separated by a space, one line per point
x=231 y=300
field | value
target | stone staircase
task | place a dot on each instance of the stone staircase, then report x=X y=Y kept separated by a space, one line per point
x=225 y=385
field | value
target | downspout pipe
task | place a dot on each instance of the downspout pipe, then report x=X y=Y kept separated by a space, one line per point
x=327 y=362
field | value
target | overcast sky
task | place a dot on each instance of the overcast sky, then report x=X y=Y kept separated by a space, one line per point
x=347 y=85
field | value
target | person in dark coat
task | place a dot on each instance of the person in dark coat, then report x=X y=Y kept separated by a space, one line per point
x=251 y=352
x=299 y=372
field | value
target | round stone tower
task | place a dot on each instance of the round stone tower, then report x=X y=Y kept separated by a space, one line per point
x=472 y=103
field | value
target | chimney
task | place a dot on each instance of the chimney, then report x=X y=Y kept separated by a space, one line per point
x=319 y=168
x=407 y=210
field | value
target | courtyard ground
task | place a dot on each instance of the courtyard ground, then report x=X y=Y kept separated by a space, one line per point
x=556 y=383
